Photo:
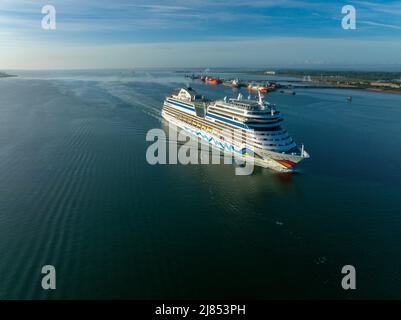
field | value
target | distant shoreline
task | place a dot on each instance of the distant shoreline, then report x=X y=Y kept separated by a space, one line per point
x=6 y=75
x=383 y=90
x=350 y=87
x=375 y=81
x=384 y=82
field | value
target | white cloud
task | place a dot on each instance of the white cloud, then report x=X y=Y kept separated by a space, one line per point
x=392 y=8
x=384 y=25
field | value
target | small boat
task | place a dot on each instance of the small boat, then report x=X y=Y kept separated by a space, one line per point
x=263 y=88
x=212 y=81
x=349 y=99
x=232 y=83
x=257 y=88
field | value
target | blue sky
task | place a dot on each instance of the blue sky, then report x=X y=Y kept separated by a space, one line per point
x=184 y=33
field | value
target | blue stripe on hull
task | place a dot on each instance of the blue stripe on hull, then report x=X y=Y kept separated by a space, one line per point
x=224 y=146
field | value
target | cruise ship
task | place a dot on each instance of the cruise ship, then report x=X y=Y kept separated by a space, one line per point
x=244 y=127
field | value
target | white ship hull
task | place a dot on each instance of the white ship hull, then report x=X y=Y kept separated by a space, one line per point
x=246 y=129
x=268 y=160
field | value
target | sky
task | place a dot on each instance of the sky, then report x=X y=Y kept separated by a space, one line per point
x=198 y=33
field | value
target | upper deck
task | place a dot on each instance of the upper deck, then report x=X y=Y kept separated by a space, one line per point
x=239 y=110
x=248 y=108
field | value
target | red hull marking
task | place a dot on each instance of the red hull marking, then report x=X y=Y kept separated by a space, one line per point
x=286 y=163
x=213 y=82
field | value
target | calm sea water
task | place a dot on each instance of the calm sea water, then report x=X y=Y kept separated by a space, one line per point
x=76 y=192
